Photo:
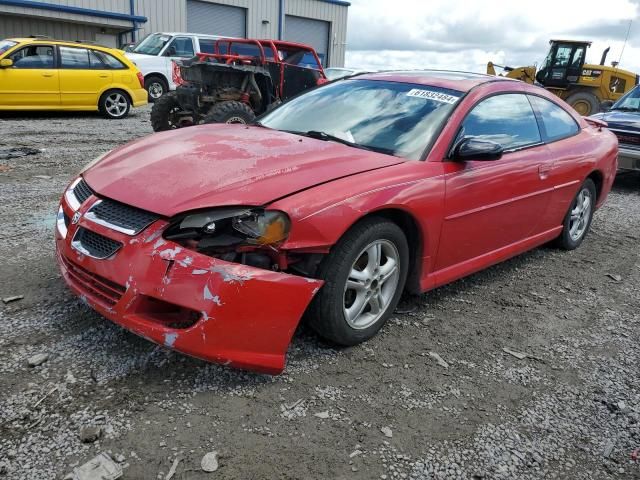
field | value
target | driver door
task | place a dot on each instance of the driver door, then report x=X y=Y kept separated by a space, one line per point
x=494 y=204
x=32 y=80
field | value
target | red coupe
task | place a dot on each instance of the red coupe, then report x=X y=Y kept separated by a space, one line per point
x=215 y=240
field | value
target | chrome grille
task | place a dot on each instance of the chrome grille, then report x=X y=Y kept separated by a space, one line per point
x=120 y=217
x=93 y=244
x=82 y=191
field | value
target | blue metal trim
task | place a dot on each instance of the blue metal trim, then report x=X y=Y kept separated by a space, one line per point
x=77 y=10
x=337 y=2
x=280 y=20
x=132 y=11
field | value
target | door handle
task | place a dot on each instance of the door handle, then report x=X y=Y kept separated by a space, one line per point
x=47 y=75
x=544 y=170
x=104 y=76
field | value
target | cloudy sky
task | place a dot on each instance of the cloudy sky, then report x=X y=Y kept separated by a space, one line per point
x=465 y=34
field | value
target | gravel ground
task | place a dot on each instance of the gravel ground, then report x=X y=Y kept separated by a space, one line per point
x=386 y=409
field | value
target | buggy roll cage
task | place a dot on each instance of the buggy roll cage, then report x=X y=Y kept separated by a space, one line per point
x=275 y=46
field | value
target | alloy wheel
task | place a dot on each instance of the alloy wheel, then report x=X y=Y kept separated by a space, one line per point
x=371 y=284
x=580 y=214
x=116 y=105
x=156 y=90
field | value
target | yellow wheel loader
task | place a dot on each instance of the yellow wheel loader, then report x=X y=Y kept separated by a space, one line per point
x=564 y=72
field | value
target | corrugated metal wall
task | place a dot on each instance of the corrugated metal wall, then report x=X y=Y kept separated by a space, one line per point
x=11 y=26
x=170 y=15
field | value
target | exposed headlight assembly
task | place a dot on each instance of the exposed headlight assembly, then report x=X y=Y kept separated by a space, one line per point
x=230 y=227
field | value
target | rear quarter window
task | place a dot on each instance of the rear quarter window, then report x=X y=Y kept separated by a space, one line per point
x=556 y=122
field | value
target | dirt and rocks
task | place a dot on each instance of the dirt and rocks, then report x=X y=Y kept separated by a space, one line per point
x=527 y=370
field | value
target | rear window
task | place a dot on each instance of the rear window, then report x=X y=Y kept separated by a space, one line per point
x=109 y=61
x=556 y=122
x=207 y=45
x=6 y=45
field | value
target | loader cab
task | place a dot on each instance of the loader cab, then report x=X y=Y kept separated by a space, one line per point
x=563 y=65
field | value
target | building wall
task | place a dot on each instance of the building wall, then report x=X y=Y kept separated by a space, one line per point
x=263 y=17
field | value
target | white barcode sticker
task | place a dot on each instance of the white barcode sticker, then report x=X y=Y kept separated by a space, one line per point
x=431 y=95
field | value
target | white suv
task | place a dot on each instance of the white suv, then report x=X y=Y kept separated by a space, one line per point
x=153 y=56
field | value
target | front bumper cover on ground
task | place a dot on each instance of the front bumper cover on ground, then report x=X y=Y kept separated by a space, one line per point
x=241 y=316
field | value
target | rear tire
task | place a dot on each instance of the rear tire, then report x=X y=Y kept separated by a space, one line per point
x=584 y=102
x=360 y=293
x=163 y=113
x=230 y=112
x=114 y=104
x=577 y=221
x=155 y=86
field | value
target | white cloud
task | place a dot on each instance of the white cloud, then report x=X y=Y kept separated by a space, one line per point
x=466 y=34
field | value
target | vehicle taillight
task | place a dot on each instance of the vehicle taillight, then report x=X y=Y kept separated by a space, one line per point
x=175 y=73
x=141 y=79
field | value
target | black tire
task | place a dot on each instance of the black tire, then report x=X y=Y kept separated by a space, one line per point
x=156 y=87
x=230 y=112
x=114 y=104
x=584 y=102
x=163 y=115
x=326 y=313
x=566 y=241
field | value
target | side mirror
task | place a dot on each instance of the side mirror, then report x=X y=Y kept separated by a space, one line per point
x=606 y=105
x=6 y=63
x=170 y=52
x=470 y=148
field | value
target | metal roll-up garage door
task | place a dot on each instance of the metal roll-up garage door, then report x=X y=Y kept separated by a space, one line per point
x=311 y=32
x=216 y=19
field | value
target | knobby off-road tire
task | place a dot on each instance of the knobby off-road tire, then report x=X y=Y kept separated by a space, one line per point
x=328 y=313
x=163 y=113
x=230 y=112
x=577 y=221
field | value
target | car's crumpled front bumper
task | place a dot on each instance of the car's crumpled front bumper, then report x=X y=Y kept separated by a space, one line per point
x=241 y=316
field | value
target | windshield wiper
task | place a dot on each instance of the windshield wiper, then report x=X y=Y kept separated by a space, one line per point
x=318 y=135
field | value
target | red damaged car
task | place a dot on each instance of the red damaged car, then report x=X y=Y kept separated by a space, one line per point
x=215 y=240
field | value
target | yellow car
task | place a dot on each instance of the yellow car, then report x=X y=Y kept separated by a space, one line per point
x=45 y=74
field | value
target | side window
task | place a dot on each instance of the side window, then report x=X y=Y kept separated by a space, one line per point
x=108 y=61
x=506 y=119
x=180 y=47
x=33 y=56
x=556 y=122
x=207 y=45
x=78 y=58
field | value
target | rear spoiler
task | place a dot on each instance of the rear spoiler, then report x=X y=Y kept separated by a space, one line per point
x=595 y=122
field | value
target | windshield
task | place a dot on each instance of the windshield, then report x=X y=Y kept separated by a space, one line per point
x=152 y=44
x=6 y=45
x=630 y=101
x=400 y=119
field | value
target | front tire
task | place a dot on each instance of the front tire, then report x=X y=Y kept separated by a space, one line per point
x=364 y=275
x=114 y=104
x=230 y=111
x=577 y=221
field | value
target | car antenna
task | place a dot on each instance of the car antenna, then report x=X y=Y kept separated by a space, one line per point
x=625 y=43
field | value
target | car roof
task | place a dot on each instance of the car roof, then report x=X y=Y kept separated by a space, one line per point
x=70 y=43
x=203 y=35
x=451 y=79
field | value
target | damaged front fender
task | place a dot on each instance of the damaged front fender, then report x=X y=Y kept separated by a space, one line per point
x=205 y=307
